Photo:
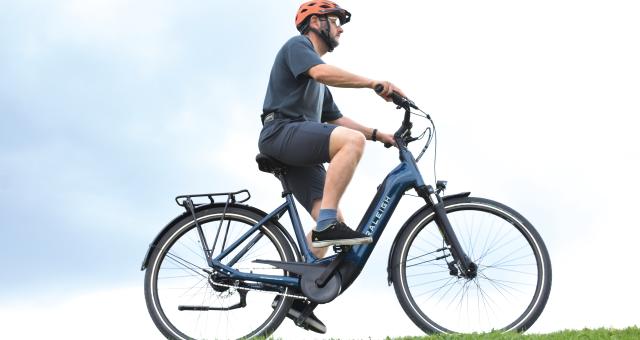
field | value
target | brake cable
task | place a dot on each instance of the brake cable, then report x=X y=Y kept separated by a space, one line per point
x=432 y=137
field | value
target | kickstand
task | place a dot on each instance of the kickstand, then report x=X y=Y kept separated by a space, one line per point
x=308 y=309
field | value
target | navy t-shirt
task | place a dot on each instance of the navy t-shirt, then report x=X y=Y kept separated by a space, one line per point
x=291 y=91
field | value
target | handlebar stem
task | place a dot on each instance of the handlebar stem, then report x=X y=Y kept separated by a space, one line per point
x=400 y=135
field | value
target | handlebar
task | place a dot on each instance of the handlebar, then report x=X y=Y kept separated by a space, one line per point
x=398 y=99
x=404 y=132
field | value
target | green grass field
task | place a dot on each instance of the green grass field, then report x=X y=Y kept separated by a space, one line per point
x=631 y=333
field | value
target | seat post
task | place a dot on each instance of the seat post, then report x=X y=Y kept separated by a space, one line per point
x=283 y=181
x=273 y=166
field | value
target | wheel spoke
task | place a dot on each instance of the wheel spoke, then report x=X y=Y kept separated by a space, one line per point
x=180 y=281
x=508 y=278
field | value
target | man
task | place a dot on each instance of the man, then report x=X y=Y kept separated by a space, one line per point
x=303 y=127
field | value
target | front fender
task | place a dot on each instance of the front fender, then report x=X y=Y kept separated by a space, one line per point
x=406 y=224
x=261 y=213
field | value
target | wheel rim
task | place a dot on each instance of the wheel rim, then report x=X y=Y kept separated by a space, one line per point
x=509 y=280
x=182 y=278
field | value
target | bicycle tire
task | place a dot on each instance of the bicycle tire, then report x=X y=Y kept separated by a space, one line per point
x=513 y=282
x=178 y=275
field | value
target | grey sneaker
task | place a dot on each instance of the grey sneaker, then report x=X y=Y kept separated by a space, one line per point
x=338 y=234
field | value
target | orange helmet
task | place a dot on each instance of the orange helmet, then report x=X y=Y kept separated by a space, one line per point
x=319 y=7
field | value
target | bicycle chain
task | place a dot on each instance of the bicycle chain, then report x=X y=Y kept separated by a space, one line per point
x=257 y=290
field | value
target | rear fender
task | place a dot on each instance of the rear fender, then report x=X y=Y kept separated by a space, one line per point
x=406 y=225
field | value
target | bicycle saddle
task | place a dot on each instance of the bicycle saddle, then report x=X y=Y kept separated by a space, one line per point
x=270 y=165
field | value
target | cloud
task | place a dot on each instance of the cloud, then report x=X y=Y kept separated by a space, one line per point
x=111 y=108
x=118 y=312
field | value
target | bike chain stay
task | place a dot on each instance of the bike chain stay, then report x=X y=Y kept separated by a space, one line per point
x=258 y=290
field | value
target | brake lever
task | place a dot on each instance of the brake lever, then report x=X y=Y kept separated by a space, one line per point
x=412 y=139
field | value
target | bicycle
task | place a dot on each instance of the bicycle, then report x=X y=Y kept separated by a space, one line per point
x=225 y=269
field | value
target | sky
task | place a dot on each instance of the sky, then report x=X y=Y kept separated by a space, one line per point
x=110 y=109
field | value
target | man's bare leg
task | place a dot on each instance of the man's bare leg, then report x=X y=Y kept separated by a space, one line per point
x=346 y=147
x=345 y=150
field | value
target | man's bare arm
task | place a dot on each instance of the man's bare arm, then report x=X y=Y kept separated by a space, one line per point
x=337 y=77
x=366 y=131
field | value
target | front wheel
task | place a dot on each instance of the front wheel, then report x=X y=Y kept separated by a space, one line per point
x=513 y=278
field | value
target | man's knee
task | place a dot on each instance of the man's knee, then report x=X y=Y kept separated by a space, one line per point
x=358 y=140
x=347 y=138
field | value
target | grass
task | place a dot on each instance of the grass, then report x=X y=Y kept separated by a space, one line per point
x=631 y=333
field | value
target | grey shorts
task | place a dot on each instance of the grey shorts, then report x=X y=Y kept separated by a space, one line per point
x=304 y=147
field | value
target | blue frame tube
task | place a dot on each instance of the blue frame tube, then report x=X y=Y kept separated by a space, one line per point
x=288 y=281
x=244 y=237
x=402 y=178
x=299 y=231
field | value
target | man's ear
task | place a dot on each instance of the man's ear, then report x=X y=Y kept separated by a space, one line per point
x=314 y=20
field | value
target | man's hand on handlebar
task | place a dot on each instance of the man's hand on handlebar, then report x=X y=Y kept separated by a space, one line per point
x=397 y=97
x=387 y=89
x=386 y=138
x=391 y=93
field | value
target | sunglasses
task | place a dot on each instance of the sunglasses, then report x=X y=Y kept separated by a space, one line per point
x=334 y=20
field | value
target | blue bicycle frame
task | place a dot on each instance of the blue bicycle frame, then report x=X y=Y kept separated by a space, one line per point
x=404 y=177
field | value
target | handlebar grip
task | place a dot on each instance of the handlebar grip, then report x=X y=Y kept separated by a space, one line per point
x=396 y=98
x=388 y=145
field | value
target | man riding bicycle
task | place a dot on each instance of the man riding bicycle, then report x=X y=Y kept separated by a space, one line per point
x=303 y=128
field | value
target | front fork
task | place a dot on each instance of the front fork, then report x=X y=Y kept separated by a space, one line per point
x=468 y=268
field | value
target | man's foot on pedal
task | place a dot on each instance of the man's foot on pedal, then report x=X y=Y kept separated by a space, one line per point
x=338 y=234
x=311 y=323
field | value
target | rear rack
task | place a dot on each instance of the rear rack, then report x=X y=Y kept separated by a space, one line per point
x=186 y=202
x=183 y=200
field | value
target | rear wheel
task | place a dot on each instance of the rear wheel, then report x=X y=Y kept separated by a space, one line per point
x=513 y=278
x=188 y=300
